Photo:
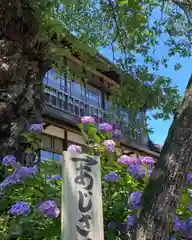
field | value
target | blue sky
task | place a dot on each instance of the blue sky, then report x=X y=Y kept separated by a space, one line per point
x=180 y=79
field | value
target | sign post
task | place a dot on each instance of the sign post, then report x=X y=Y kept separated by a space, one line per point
x=82 y=215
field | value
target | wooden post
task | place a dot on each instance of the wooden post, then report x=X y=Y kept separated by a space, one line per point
x=82 y=215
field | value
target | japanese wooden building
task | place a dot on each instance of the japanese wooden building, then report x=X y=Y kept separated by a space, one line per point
x=67 y=100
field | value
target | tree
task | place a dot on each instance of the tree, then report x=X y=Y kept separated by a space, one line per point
x=33 y=37
x=168 y=179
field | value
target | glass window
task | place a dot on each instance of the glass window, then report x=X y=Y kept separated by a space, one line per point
x=63 y=84
x=46 y=156
x=76 y=89
x=93 y=96
x=53 y=80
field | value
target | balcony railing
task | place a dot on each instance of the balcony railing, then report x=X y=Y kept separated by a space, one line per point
x=78 y=108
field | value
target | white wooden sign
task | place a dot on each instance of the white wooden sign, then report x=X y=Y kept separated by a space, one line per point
x=82 y=215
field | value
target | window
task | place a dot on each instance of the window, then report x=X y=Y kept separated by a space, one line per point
x=93 y=96
x=52 y=143
x=53 y=80
x=76 y=89
x=46 y=156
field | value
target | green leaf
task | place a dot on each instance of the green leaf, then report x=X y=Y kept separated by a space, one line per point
x=111 y=235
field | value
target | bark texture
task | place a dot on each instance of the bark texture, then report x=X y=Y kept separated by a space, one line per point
x=168 y=179
x=22 y=68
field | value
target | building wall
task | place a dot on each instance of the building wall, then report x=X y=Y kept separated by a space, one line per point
x=56 y=139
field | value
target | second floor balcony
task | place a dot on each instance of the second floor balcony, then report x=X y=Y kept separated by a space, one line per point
x=74 y=108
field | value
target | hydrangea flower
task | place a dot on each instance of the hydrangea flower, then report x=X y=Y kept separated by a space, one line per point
x=188 y=228
x=147 y=160
x=55 y=178
x=112 y=176
x=130 y=220
x=190 y=208
x=134 y=200
x=189 y=178
x=24 y=172
x=150 y=171
x=18 y=176
x=112 y=225
x=137 y=171
x=117 y=134
x=8 y=160
x=87 y=120
x=49 y=208
x=105 y=127
x=109 y=145
x=74 y=148
x=38 y=127
x=178 y=225
x=20 y=208
x=124 y=159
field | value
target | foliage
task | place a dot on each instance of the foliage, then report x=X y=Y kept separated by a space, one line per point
x=123 y=180
x=132 y=31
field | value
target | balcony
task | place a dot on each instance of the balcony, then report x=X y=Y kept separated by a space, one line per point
x=73 y=109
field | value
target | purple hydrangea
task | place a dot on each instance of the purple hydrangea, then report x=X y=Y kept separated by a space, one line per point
x=137 y=171
x=55 y=178
x=172 y=238
x=189 y=178
x=18 y=176
x=190 y=208
x=20 y=208
x=74 y=148
x=178 y=225
x=130 y=220
x=111 y=177
x=150 y=171
x=38 y=127
x=188 y=228
x=87 y=120
x=105 y=127
x=117 y=134
x=10 y=160
x=112 y=225
x=24 y=172
x=124 y=159
x=49 y=208
x=147 y=160
x=134 y=200
x=109 y=145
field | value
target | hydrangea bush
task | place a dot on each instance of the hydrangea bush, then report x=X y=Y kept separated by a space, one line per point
x=30 y=196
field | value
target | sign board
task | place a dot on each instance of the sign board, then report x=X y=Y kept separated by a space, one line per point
x=82 y=214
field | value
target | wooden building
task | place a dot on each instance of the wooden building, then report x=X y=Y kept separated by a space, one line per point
x=67 y=100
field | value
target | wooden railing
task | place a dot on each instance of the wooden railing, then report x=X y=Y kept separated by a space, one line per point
x=78 y=108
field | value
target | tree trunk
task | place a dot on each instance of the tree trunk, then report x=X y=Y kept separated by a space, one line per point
x=22 y=68
x=168 y=179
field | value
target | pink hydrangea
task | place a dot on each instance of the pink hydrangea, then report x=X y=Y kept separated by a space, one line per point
x=74 y=148
x=87 y=119
x=109 y=145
